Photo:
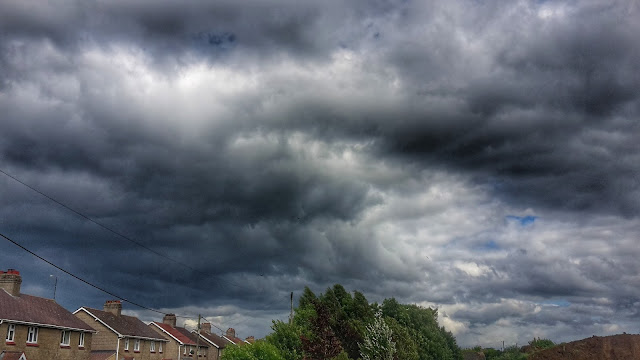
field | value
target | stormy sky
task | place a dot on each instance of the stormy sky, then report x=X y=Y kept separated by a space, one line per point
x=477 y=156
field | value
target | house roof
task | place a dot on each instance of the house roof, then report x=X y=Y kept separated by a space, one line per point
x=129 y=326
x=180 y=334
x=12 y=355
x=36 y=310
x=235 y=340
x=215 y=340
x=102 y=354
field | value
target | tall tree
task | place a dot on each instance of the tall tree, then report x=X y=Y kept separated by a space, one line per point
x=322 y=344
x=378 y=341
x=286 y=337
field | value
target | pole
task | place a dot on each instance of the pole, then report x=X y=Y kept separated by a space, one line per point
x=291 y=314
x=198 y=339
x=55 y=286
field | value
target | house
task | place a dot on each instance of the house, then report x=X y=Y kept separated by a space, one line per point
x=38 y=328
x=216 y=343
x=182 y=343
x=231 y=337
x=125 y=336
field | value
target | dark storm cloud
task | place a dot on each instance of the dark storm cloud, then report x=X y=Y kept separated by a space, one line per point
x=381 y=145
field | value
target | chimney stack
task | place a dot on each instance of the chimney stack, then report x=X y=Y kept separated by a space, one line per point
x=251 y=339
x=169 y=319
x=10 y=281
x=206 y=328
x=231 y=333
x=113 y=306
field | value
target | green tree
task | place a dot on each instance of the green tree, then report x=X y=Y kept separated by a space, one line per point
x=406 y=348
x=260 y=350
x=433 y=341
x=286 y=337
x=541 y=343
x=378 y=341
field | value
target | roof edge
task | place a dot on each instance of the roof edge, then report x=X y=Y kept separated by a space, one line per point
x=209 y=341
x=50 y=326
x=98 y=320
x=166 y=332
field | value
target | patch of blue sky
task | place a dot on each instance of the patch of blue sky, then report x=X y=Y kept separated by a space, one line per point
x=488 y=246
x=523 y=220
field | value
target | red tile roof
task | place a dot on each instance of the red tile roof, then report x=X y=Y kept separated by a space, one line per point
x=129 y=326
x=183 y=335
x=102 y=354
x=218 y=340
x=37 y=310
x=11 y=355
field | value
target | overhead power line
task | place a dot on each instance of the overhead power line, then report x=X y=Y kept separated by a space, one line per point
x=88 y=282
x=77 y=277
x=94 y=221
x=109 y=229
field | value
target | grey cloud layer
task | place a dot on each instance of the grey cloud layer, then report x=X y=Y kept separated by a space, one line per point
x=380 y=145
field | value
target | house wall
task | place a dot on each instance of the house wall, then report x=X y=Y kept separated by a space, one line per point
x=104 y=339
x=48 y=346
x=170 y=348
x=145 y=350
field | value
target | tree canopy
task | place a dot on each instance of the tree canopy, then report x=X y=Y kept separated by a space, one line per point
x=335 y=324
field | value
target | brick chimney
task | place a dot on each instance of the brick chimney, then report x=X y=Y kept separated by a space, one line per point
x=10 y=281
x=206 y=328
x=231 y=333
x=113 y=306
x=251 y=339
x=169 y=319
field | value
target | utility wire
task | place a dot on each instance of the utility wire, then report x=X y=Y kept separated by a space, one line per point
x=87 y=282
x=117 y=234
x=110 y=229
x=77 y=277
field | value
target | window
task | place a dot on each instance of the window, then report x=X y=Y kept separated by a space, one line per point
x=152 y=346
x=160 y=347
x=81 y=340
x=136 y=345
x=126 y=344
x=11 y=333
x=32 y=335
x=65 y=338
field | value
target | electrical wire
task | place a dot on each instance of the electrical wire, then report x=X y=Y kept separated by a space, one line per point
x=109 y=229
x=105 y=227
x=88 y=282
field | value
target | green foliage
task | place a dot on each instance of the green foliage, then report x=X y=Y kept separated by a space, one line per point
x=260 y=350
x=511 y=353
x=331 y=325
x=541 y=343
x=433 y=342
x=342 y=356
x=378 y=341
x=286 y=338
x=406 y=348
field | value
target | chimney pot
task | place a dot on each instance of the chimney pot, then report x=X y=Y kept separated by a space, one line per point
x=113 y=306
x=10 y=281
